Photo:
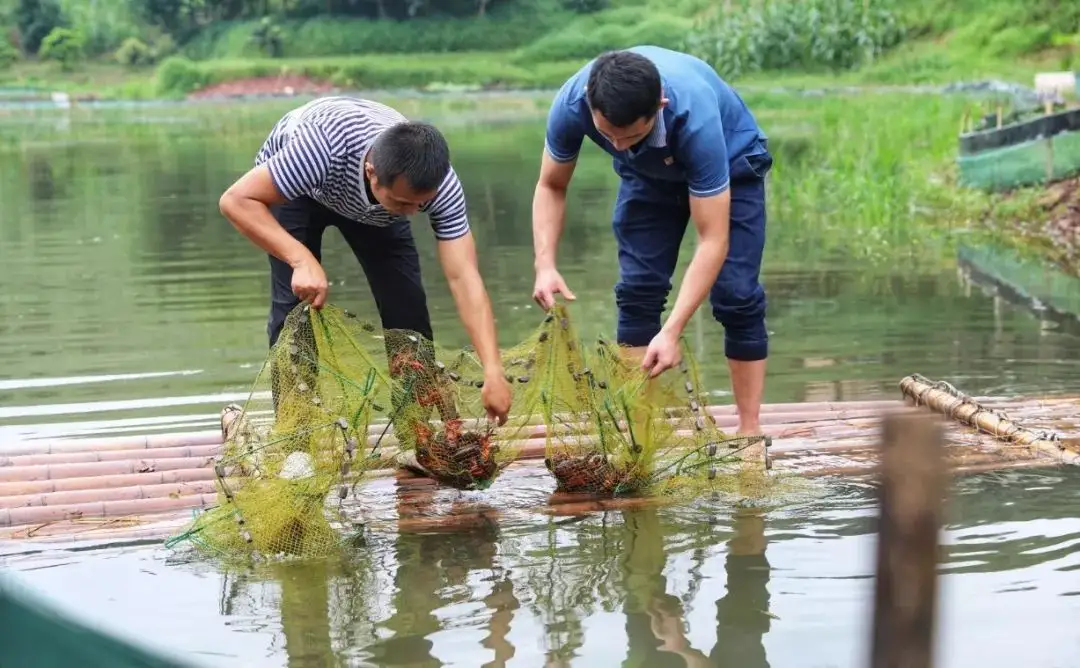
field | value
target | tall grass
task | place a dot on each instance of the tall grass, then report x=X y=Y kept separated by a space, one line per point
x=874 y=174
x=805 y=35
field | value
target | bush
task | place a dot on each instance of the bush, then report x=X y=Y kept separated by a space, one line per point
x=134 y=53
x=336 y=36
x=36 y=19
x=8 y=53
x=63 y=45
x=806 y=35
x=588 y=37
x=178 y=75
x=269 y=38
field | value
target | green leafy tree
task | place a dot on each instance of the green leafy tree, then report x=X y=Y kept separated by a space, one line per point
x=8 y=53
x=269 y=38
x=63 y=45
x=36 y=19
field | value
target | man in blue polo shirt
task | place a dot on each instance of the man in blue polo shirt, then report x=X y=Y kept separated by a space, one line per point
x=686 y=147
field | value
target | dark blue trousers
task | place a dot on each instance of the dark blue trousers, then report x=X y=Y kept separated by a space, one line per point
x=650 y=220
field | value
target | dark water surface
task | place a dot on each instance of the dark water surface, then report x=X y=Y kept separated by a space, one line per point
x=131 y=305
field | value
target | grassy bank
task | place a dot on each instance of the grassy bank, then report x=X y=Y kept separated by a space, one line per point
x=809 y=43
x=921 y=63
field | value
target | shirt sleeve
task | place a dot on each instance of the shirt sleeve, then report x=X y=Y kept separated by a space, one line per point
x=301 y=165
x=564 y=130
x=448 y=211
x=700 y=147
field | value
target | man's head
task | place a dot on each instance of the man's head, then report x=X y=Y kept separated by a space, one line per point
x=624 y=94
x=406 y=164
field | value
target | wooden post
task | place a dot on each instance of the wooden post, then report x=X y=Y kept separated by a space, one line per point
x=913 y=478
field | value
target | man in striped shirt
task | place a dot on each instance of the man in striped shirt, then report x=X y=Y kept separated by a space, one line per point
x=363 y=168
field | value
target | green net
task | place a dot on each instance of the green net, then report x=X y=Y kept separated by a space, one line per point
x=338 y=397
x=1028 y=163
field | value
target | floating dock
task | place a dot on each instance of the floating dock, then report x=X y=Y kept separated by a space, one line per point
x=148 y=487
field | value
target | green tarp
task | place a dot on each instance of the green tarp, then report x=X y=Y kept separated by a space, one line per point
x=1022 y=164
x=32 y=635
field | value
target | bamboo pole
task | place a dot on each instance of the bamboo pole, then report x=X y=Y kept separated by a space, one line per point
x=910 y=500
x=950 y=402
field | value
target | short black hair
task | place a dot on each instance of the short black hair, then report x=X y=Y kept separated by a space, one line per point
x=415 y=150
x=624 y=86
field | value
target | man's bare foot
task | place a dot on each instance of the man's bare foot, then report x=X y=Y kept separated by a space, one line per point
x=753 y=430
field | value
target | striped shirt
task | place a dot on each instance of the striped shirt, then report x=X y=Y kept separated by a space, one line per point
x=318 y=150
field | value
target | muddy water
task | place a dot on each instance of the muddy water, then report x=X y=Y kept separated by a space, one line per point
x=131 y=305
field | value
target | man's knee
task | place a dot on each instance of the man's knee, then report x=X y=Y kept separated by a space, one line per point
x=740 y=306
x=640 y=305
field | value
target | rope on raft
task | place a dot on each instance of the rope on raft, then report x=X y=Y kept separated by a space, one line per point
x=966 y=409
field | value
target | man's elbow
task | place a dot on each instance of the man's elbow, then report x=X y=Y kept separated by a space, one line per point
x=227 y=203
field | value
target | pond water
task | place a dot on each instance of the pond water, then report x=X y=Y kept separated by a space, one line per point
x=131 y=305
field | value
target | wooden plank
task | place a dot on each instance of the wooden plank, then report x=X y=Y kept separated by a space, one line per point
x=912 y=484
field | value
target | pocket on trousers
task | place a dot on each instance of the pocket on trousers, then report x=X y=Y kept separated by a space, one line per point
x=753 y=166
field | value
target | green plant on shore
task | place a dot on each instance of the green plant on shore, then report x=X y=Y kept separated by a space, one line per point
x=63 y=45
x=789 y=34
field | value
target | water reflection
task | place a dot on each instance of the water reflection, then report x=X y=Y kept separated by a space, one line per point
x=691 y=586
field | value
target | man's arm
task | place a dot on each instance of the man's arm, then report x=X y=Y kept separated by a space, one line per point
x=562 y=143
x=711 y=216
x=457 y=255
x=459 y=263
x=549 y=208
x=292 y=172
x=701 y=148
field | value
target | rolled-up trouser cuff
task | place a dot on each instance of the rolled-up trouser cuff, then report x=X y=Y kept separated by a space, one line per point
x=743 y=350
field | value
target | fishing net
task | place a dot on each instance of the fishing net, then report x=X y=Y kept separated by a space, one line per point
x=613 y=431
x=338 y=397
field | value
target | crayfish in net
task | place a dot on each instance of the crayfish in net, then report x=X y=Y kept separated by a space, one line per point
x=590 y=473
x=460 y=459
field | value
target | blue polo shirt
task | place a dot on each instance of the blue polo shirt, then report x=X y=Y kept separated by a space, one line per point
x=704 y=128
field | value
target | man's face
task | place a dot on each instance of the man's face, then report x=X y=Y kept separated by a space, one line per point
x=625 y=137
x=398 y=198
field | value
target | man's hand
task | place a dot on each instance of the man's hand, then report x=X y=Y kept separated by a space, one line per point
x=549 y=283
x=496 y=397
x=246 y=204
x=662 y=354
x=309 y=283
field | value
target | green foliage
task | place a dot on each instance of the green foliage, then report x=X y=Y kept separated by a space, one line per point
x=178 y=75
x=585 y=6
x=791 y=34
x=588 y=36
x=338 y=36
x=269 y=37
x=36 y=19
x=134 y=53
x=63 y=45
x=883 y=179
x=486 y=70
x=9 y=55
x=104 y=24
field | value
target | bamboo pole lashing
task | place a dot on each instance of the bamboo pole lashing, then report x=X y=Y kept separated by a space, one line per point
x=945 y=399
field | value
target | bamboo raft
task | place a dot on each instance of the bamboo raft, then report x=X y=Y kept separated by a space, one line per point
x=145 y=488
